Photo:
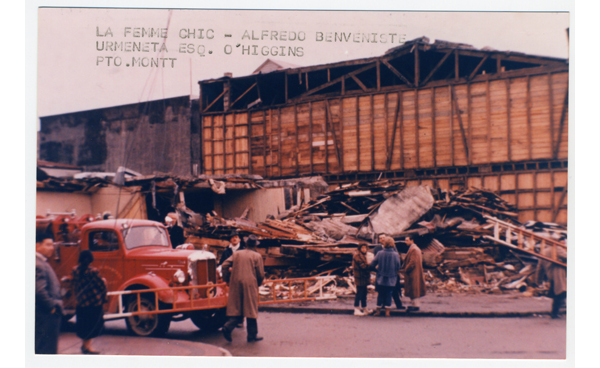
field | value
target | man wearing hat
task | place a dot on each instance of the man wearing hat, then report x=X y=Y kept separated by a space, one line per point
x=244 y=272
x=234 y=245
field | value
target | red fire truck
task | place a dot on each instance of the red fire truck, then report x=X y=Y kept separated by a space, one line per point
x=149 y=283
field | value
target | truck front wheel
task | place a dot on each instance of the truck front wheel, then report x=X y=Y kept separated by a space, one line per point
x=209 y=320
x=146 y=324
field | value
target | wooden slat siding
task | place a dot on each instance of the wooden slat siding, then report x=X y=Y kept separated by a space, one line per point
x=297 y=151
x=310 y=137
x=387 y=130
x=499 y=143
x=304 y=146
x=229 y=129
x=234 y=143
x=349 y=138
x=551 y=109
x=479 y=123
x=279 y=132
x=264 y=142
x=249 y=125
x=396 y=116
x=325 y=139
x=372 y=133
x=219 y=144
x=365 y=125
x=461 y=147
x=540 y=118
x=433 y=128
x=508 y=135
x=358 y=156
x=517 y=119
x=417 y=113
x=452 y=108
x=469 y=127
x=409 y=131
x=341 y=128
x=443 y=135
x=529 y=131
x=379 y=132
x=561 y=87
x=425 y=128
x=334 y=160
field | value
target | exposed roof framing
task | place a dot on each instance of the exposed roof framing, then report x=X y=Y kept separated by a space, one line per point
x=415 y=64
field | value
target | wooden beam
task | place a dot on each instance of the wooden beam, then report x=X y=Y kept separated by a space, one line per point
x=378 y=75
x=387 y=127
x=360 y=84
x=563 y=116
x=451 y=123
x=242 y=95
x=460 y=122
x=456 y=66
x=233 y=146
x=436 y=67
x=390 y=152
x=215 y=100
x=326 y=137
x=337 y=80
x=560 y=203
x=396 y=72
x=474 y=72
x=469 y=122
x=417 y=67
x=212 y=127
x=528 y=106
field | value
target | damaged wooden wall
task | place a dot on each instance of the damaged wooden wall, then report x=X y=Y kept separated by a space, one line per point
x=513 y=127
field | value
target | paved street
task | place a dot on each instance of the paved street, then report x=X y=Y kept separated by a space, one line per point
x=325 y=335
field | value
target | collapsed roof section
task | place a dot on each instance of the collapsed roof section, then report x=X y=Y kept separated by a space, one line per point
x=415 y=64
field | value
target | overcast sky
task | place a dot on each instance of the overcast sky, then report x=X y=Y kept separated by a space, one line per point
x=78 y=48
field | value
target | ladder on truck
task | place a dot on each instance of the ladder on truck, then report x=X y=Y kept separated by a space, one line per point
x=296 y=290
x=523 y=240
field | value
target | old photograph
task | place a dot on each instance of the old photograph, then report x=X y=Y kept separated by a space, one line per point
x=261 y=183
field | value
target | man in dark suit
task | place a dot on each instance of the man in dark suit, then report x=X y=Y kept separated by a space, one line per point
x=48 y=301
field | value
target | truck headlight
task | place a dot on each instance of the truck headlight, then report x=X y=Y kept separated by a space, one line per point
x=179 y=276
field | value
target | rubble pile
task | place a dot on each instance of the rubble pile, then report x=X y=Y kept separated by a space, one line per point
x=451 y=227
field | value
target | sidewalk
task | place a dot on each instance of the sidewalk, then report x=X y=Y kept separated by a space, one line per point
x=69 y=343
x=433 y=305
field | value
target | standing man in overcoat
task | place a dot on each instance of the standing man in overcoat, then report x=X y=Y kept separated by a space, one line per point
x=244 y=272
x=414 y=286
x=48 y=301
x=557 y=275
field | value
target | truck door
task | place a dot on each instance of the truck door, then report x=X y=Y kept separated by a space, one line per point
x=108 y=257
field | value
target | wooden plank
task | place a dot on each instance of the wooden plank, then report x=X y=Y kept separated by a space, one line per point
x=460 y=122
x=433 y=128
x=474 y=72
x=264 y=140
x=470 y=125
x=358 y=160
x=243 y=94
x=212 y=125
x=310 y=136
x=529 y=130
x=279 y=132
x=378 y=65
x=341 y=153
x=417 y=143
x=508 y=135
x=489 y=121
x=551 y=108
x=358 y=81
x=401 y=112
x=296 y=133
x=372 y=134
x=234 y=150
x=451 y=95
x=215 y=100
x=563 y=115
x=329 y=118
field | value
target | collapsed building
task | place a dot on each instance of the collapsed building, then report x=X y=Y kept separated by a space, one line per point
x=485 y=131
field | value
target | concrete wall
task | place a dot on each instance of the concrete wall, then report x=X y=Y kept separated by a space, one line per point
x=147 y=137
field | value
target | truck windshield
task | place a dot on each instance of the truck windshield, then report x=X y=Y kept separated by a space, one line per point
x=142 y=236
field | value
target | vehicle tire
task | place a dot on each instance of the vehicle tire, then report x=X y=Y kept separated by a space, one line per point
x=147 y=325
x=209 y=320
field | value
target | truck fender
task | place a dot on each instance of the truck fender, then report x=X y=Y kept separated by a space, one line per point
x=146 y=281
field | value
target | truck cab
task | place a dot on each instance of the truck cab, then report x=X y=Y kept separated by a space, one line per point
x=149 y=283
